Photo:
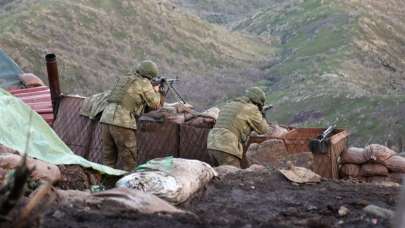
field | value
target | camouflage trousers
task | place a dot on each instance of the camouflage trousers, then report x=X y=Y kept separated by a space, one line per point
x=119 y=147
x=222 y=158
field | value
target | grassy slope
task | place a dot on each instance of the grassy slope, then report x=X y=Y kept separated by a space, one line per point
x=224 y=11
x=97 y=40
x=334 y=65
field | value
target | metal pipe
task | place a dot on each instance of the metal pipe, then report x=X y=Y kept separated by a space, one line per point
x=53 y=78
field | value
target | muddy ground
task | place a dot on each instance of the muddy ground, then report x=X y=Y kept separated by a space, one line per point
x=247 y=199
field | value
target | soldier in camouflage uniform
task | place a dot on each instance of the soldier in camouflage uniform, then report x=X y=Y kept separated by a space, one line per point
x=236 y=121
x=128 y=100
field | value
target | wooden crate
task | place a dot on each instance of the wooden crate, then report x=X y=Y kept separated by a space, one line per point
x=326 y=165
x=297 y=141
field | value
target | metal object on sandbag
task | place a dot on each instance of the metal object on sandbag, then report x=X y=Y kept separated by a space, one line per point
x=321 y=144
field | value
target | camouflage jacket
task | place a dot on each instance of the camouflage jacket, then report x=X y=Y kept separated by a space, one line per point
x=143 y=94
x=236 y=121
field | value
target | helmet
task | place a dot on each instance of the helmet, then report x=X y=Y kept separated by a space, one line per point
x=256 y=95
x=147 y=69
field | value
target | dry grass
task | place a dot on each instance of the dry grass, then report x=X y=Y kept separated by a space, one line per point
x=98 y=40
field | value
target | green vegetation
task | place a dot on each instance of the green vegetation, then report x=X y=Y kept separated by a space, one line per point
x=321 y=61
x=98 y=40
x=320 y=72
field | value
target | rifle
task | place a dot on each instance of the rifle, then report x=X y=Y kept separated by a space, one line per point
x=264 y=109
x=167 y=84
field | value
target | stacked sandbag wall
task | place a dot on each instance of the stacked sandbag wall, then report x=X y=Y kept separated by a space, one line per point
x=374 y=163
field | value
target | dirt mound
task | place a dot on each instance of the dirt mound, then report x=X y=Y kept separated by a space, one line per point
x=268 y=200
x=248 y=199
x=77 y=178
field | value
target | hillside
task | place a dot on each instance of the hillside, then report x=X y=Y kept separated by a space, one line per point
x=225 y=12
x=98 y=40
x=336 y=61
x=321 y=61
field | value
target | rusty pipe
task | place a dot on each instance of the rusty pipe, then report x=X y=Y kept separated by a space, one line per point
x=53 y=78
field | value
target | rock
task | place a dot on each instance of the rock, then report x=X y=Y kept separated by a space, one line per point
x=224 y=170
x=58 y=214
x=343 y=211
x=379 y=211
x=255 y=168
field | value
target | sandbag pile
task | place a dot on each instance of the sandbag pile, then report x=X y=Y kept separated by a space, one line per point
x=122 y=199
x=273 y=153
x=183 y=114
x=172 y=179
x=277 y=131
x=375 y=163
x=40 y=170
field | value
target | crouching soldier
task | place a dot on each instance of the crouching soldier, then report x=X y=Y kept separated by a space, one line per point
x=235 y=123
x=127 y=101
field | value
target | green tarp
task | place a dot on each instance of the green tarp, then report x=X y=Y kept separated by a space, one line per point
x=22 y=129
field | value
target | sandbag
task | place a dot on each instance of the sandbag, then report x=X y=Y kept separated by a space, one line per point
x=43 y=170
x=300 y=175
x=31 y=80
x=373 y=169
x=212 y=112
x=6 y=150
x=349 y=170
x=3 y=176
x=171 y=179
x=355 y=155
x=177 y=118
x=118 y=198
x=395 y=164
x=270 y=152
x=201 y=122
x=278 y=132
x=379 y=153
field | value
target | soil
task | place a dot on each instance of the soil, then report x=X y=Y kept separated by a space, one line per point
x=248 y=199
x=77 y=177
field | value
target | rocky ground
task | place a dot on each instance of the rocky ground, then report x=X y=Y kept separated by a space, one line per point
x=260 y=198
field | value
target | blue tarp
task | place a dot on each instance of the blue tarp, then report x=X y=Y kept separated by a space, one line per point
x=9 y=71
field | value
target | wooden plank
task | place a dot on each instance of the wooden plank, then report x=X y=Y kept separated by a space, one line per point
x=27 y=90
x=43 y=111
x=29 y=94
x=43 y=98
x=40 y=105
